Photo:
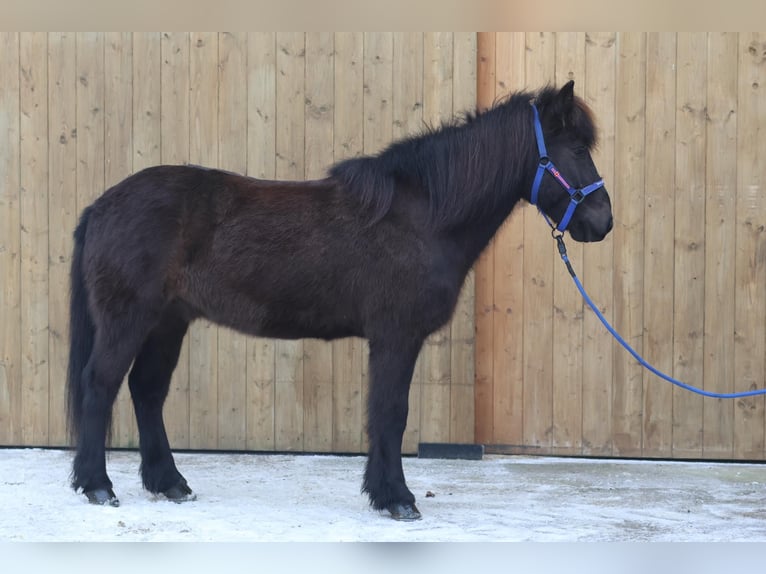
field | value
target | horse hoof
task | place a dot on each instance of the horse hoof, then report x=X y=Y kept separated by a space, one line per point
x=180 y=493
x=404 y=512
x=103 y=497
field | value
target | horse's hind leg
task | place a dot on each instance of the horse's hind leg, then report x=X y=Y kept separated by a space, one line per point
x=391 y=367
x=102 y=376
x=149 y=382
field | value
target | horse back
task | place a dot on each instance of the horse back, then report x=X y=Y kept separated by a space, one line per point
x=268 y=258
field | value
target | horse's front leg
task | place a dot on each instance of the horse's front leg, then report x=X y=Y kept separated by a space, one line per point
x=391 y=365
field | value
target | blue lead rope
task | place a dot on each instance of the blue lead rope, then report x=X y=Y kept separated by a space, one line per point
x=565 y=258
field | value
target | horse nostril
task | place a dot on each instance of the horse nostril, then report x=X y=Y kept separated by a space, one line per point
x=611 y=224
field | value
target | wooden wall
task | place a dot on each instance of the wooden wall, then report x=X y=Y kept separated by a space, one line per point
x=79 y=112
x=682 y=276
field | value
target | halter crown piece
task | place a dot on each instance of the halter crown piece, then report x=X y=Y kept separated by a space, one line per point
x=545 y=164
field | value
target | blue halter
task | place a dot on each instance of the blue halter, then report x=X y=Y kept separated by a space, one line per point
x=576 y=195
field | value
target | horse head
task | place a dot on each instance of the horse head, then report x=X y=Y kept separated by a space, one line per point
x=567 y=188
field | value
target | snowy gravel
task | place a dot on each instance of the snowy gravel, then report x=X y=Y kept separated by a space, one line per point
x=265 y=497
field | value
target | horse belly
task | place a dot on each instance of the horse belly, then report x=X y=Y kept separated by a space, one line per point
x=272 y=318
x=290 y=329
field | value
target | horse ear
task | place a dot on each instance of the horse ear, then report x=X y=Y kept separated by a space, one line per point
x=565 y=96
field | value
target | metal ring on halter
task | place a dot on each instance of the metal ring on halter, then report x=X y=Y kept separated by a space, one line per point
x=577 y=196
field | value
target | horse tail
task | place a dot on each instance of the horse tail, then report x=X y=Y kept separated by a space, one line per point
x=81 y=331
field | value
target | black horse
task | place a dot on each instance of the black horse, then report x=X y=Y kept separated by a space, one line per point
x=379 y=249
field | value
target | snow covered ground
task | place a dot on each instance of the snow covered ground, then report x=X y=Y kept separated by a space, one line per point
x=248 y=497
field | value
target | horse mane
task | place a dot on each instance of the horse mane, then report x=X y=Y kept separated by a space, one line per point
x=468 y=166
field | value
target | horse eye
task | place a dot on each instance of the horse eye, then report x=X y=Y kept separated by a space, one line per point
x=580 y=151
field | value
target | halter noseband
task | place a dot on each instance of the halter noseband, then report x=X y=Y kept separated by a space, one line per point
x=576 y=196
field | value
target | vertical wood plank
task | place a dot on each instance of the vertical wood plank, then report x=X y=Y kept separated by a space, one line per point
x=567 y=304
x=118 y=164
x=147 y=91
x=10 y=243
x=538 y=275
x=203 y=150
x=175 y=150
x=750 y=262
x=92 y=104
x=437 y=108
x=720 y=235
x=261 y=153
x=507 y=309
x=291 y=69
x=33 y=203
x=628 y=209
x=348 y=130
x=232 y=149
x=461 y=335
x=484 y=275
x=62 y=210
x=118 y=106
x=378 y=132
x=598 y=259
x=689 y=282
x=318 y=359
x=658 y=263
x=90 y=118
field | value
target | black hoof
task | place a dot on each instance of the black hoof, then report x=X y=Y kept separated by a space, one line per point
x=404 y=512
x=180 y=493
x=103 y=497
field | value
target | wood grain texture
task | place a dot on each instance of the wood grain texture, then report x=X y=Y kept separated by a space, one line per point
x=11 y=431
x=750 y=259
x=682 y=120
x=507 y=310
x=598 y=259
x=720 y=242
x=62 y=217
x=33 y=204
x=658 y=256
x=628 y=193
x=689 y=241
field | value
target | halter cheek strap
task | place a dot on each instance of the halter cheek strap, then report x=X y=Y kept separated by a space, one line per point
x=576 y=196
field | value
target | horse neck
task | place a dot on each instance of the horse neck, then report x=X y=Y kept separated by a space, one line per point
x=469 y=240
x=498 y=178
x=472 y=235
